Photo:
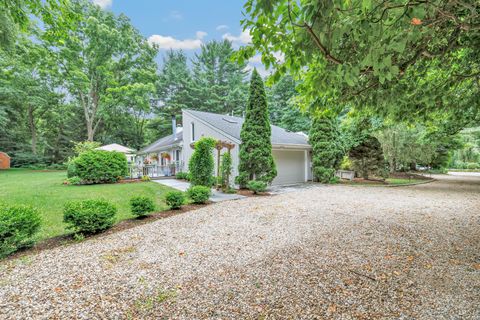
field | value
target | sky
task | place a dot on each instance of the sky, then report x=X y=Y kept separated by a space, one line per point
x=185 y=24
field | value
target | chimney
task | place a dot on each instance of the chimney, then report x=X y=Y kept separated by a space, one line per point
x=174 y=124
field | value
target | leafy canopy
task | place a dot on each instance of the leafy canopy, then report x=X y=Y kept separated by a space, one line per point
x=403 y=58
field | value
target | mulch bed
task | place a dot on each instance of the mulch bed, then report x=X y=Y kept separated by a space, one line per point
x=62 y=240
x=248 y=193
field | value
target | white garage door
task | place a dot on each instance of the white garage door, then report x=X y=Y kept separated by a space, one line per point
x=290 y=166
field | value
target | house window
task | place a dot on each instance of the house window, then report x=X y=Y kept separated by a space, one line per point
x=193 y=131
x=177 y=155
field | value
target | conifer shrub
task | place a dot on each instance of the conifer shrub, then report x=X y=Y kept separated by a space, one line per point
x=175 y=199
x=141 y=206
x=327 y=147
x=256 y=159
x=202 y=164
x=89 y=216
x=199 y=194
x=18 y=227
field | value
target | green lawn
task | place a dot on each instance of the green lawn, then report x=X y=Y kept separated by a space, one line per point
x=399 y=181
x=45 y=191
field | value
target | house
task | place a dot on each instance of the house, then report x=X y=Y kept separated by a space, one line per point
x=291 y=151
x=129 y=153
x=4 y=161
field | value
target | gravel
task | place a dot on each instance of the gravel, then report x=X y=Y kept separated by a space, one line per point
x=341 y=252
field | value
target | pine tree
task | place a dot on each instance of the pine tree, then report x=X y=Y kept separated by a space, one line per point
x=218 y=82
x=256 y=160
x=327 y=147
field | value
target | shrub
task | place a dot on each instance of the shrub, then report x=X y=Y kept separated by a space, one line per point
x=255 y=155
x=199 y=194
x=18 y=226
x=367 y=157
x=257 y=186
x=71 y=169
x=175 y=199
x=201 y=163
x=181 y=175
x=226 y=170
x=327 y=147
x=99 y=166
x=141 y=206
x=146 y=178
x=89 y=216
x=73 y=181
x=188 y=177
x=472 y=165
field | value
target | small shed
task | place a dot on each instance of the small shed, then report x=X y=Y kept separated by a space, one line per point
x=4 y=161
x=129 y=153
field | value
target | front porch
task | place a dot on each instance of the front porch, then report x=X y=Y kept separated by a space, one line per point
x=153 y=171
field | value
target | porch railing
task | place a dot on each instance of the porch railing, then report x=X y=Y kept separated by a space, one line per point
x=155 y=170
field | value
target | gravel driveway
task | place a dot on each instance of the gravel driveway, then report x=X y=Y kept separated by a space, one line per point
x=338 y=252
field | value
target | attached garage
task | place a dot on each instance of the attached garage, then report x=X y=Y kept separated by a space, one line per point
x=292 y=167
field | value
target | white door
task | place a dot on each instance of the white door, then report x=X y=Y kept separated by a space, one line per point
x=290 y=166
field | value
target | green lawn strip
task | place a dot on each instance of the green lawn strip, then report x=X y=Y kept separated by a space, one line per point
x=45 y=191
x=399 y=181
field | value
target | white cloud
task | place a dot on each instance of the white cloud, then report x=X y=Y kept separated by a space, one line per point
x=168 y=42
x=256 y=59
x=222 y=27
x=243 y=38
x=201 y=34
x=103 y=3
x=175 y=15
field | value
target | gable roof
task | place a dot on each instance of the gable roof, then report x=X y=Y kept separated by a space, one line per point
x=116 y=147
x=232 y=126
x=164 y=142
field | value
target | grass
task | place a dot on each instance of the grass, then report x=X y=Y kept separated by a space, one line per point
x=45 y=191
x=400 y=181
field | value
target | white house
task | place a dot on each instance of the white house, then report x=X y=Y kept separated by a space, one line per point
x=291 y=151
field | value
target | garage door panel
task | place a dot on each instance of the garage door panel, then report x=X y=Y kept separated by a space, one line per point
x=290 y=166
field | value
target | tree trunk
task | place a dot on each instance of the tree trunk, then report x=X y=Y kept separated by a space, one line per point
x=33 y=129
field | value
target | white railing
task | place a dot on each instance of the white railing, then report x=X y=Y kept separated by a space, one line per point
x=154 y=170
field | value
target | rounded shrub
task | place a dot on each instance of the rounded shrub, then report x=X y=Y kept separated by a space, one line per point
x=18 y=226
x=98 y=166
x=257 y=186
x=89 y=216
x=141 y=206
x=71 y=170
x=73 y=181
x=199 y=194
x=175 y=199
x=182 y=175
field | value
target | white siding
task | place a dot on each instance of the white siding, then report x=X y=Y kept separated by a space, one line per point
x=203 y=130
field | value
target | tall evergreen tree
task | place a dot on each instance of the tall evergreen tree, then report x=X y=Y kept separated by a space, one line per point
x=281 y=105
x=256 y=160
x=219 y=83
x=327 y=147
x=175 y=83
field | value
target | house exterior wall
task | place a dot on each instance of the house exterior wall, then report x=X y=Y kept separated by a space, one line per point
x=4 y=161
x=204 y=130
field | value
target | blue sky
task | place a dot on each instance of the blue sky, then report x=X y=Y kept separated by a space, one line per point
x=184 y=24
